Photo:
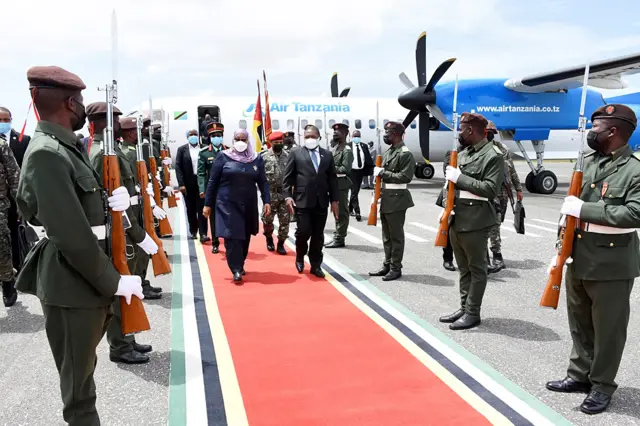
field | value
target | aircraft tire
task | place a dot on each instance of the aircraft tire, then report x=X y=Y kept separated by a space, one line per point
x=545 y=182
x=427 y=171
x=418 y=171
x=528 y=183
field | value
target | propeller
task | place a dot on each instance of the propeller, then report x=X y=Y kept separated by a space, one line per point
x=421 y=100
x=334 y=87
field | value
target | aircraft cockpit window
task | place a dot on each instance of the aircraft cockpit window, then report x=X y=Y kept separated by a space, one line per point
x=304 y=123
x=318 y=124
x=331 y=123
x=243 y=124
x=275 y=124
x=413 y=124
x=358 y=124
x=345 y=122
x=290 y=125
x=372 y=124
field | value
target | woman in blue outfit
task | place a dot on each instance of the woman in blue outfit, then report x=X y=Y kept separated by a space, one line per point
x=232 y=191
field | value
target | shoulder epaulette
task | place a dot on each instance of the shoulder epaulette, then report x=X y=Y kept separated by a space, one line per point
x=592 y=153
x=636 y=155
x=2 y=142
x=496 y=149
x=347 y=148
x=405 y=149
x=204 y=149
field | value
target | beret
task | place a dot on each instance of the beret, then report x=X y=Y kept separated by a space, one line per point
x=54 y=77
x=616 y=111
x=215 y=127
x=100 y=108
x=146 y=121
x=128 y=123
x=289 y=133
x=491 y=127
x=276 y=136
x=474 y=119
x=394 y=126
x=156 y=126
x=340 y=126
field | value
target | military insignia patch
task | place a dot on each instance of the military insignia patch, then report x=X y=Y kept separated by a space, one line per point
x=610 y=109
x=405 y=149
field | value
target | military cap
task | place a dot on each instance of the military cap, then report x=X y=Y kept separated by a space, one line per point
x=146 y=121
x=491 y=127
x=54 y=78
x=128 y=123
x=156 y=126
x=474 y=119
x=340 y=126
x=276 y=136
x=616 y=111
x=289 y=133
x=100 y=108
x=394 y=126
x=215 y=127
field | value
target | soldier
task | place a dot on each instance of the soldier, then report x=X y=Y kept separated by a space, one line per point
x=275 y=163
x=605 y=258
x=447 y=252
x=123 y=349
x=60 y=191
x=510 y=180
x=343 y=158
x=478 y=178
x=289 y=141
x=398 y=168
x=9 y=177
x=206 y=158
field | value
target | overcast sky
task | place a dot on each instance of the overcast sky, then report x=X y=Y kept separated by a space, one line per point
x=195 y=47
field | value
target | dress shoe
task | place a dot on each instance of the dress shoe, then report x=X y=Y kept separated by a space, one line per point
x=380 y=272
x=243 y=272
x=150 y=294
x=452 y=317
x=237 y=278
x=465 y=322
x=132 y=357
x=193 y=236
x=147 y=283
x=9 y=294
x=143 y=349
x=448 y=266
x=215 y=249
x=280 y=249
x=317 y=271
x=299 y=266
x=497 y=265
x=595 y=403
x=392 y=275
x=204 y=239
x=568 y=385
x=358 y=217
x=270 y=245
x=335 y=244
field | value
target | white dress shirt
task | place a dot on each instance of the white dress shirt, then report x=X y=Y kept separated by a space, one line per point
x=314 y=153
x=194 y=152
x=357 y=149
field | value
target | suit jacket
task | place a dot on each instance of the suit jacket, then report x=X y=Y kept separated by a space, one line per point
x=369 y=161
x=308 y=188
x=185 y=174
x=18 y=148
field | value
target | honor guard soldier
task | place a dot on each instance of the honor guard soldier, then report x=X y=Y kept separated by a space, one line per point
x=509 y=182
x=206 y=157
x=289 y=141
x=60 y=191
x=343 y=159
x=275 y=163
x=122 y=348
x=605 y=256
x=398 y=168
x=9 y=177
x=478 y=178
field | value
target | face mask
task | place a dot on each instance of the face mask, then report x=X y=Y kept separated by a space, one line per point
x=490 y=137
x=387 y=139
x=82 y=117
x=240 y=146
x=277 y=147
x=311 y=143
x=193 y=140
x=592 y=140
x=5 y=128
x=356 y=139
x=462 y=139
x=216 y=140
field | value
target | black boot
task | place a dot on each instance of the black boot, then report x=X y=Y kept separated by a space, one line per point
x=452 y=317
x=465 y=322
x=334 y=244
x=270 y=246
x=448 y=265
x=380 y=272
x=9 y=293
x=147 y=283
x=237 y=278
x=150 y=294
x=497 y=265
x=143 y=349
x=216 y=246
x=132 y=357
x=280 y=249
x=393 y=274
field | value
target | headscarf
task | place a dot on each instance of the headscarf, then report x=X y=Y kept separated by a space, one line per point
x=243 y=157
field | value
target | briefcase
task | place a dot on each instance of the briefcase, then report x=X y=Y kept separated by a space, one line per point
x=27 y=239
x=518 y=217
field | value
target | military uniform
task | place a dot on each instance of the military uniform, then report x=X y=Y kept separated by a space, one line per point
x=399 y=168
x=447 y=252
x=206 y=157
x=121 y=346
x=343 y=159
x=275 y=165
x=9 y=177
x=606 y=262
x=481 y=168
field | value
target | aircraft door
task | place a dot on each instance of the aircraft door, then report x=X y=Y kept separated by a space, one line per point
x=212 y=111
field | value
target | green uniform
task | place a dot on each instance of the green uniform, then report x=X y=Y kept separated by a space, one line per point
x=206 y=157
x=343 y=159
x=399 y=168
x=274 y=166
x=601 y=276
x=118 y=342
x=482 y=171
x=68 y=270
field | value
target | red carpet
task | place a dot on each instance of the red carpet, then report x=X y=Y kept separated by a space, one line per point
x=305 y=355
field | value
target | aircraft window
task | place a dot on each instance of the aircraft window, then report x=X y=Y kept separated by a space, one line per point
x=384 y=123
x=319 y=124
x=275 y=124
x=345 y=122
x=413 y=124
x=372 y=124
x=304 y=123
x=331 y=123
x=242 y=124
x=290 y=125
x=358 y=124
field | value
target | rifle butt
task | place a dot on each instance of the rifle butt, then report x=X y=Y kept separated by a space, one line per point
x=165 y=228
x=172 y=201
x=160 y=263
x=551 y=294
x=442 y=238
x=134 y=317
x=373 y=212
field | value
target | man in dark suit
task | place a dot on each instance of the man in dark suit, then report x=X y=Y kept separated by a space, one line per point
x=186 y=167
x=362 y=166
x=310 y=184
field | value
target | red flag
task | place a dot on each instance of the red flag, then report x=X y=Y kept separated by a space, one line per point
x=267 y=116
x=257 y=123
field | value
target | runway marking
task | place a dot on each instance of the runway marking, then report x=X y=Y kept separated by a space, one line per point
x=415 y=238
x=527 y=234
x=547 y=221
x=428 y=228
x=528 y=225
x=366 y=236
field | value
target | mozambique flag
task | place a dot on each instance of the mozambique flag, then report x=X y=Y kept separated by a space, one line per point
x=267 y=116
x=257 y=123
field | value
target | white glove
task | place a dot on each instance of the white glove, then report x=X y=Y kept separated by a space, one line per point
x=153 y=201
x=150 y=189
x=377 y=171
x=553 y=263
x=167 y=161
x=148 y=245
x=137 y=189
x=130 y=285
x=158 y=176
x=159 y=213
x=168 y=190
x=572 y=206
x=452 y=174
x=119 y=200
x=442 y=214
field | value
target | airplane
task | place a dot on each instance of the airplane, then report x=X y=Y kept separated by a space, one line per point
x=536 y=108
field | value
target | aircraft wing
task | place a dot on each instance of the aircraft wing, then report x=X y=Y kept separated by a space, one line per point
x=605 y=74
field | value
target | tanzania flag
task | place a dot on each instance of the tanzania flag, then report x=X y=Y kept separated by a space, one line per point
x=257 y=123
x=267 y=116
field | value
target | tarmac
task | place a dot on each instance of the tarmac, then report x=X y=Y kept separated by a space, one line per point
x=525 y=343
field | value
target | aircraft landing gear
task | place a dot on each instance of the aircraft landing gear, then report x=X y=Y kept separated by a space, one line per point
x=539 y=180
x=424 y=171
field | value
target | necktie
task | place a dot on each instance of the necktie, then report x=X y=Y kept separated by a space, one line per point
x=314 y=159
x=359 y=156
x=3 y=137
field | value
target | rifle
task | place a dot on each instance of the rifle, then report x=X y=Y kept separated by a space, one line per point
x=568 y=224
x=164 y=227
x=164 y=153
x=373 y=213
x=443 y=229
x=159 y=260
x=134 y=317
